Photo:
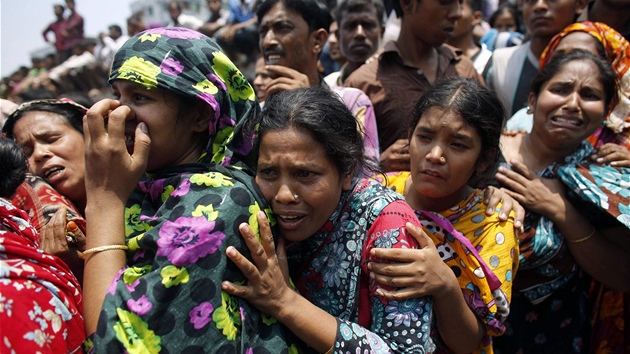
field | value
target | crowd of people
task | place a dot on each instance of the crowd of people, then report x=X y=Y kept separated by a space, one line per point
x=296 y=176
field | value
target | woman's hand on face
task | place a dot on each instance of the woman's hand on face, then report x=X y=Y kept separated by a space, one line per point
x=492 y=196
x=268 y=276
x=613 y=154
x=543 y=196
x=109 y=166
x=53 y=239
x=413 y=272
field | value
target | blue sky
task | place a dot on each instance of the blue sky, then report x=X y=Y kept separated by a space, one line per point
x=22 y=22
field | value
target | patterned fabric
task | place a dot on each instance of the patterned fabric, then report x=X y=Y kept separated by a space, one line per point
x=482 y=252
x=41 y=201
x=618 y=53
x=330 y=270
x=359 y=104
x=40 y=299
x=551 y=312
x=180 y=221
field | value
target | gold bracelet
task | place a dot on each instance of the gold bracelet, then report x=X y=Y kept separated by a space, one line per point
x=86 y=253
x=583 y=238
x=331 y=350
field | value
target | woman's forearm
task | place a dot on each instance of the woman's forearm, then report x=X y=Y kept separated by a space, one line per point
x=314 y=326
x=594 y=251
x=105 y=226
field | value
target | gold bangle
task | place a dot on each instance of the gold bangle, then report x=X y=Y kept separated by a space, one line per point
x=583 y=238
x=86 y=253
x=331 y=350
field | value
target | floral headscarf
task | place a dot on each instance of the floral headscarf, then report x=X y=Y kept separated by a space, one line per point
x=618 y=54
x=190 y=64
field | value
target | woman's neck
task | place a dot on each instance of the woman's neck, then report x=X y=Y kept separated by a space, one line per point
x=537 y=155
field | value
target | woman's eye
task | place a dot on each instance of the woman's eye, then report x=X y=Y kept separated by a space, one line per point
x=266 y=172
x=305 y=174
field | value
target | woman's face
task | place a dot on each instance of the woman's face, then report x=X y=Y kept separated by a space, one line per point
x=300 y=182
x=505 y=22
x=571 y=105
x=174 y=130
x=55 y=152
x=445 y=153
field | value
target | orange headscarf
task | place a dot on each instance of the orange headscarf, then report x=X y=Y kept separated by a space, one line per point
x=617 y=50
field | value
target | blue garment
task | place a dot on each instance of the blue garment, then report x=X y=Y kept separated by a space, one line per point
x=240 y=12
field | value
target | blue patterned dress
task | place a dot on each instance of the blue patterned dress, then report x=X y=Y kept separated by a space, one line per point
x=549 y=310
x=330 y=270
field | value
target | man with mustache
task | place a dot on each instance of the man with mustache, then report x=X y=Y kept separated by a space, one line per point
x=292 y=34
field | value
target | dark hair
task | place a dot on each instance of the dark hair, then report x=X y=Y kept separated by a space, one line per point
x=509 y=7
x=479 y=106
x=320 y=112
x=359 y=5
x=13 y=167
x=607 y=75
x=72 y=113
x=475 y=5
x=314 y=13
x=115 y=28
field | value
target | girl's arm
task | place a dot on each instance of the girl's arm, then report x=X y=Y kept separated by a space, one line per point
x=110 y=177
x=421 y=272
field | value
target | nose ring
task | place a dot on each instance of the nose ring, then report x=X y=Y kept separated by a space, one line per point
x=295 y=197
x=442 y=159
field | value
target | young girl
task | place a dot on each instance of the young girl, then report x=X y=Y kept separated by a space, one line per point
x=153 y=269
x=454 y=140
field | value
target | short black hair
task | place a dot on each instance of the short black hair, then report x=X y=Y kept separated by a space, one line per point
x=313 y=12
x=511 y=9
x=359 y=5
x=13 y=167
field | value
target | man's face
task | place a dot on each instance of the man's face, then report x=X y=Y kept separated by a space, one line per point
x=284 y=39
x=359 y=34
x=215 y=5
x=433 y=21
x=546 y=18
x=173 y=11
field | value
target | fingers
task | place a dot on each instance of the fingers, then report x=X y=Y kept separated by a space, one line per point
x=79 y=236
x=513 y=181
x=266 y=235
x=521 y=168
x=397 y=294
x=491 y=199
x=248 y=269
x=255 y=247
x=418 y=233
x=94 y=119
x=236 y=290
x=391 y=273
x=141 y=147
x=402 y=255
